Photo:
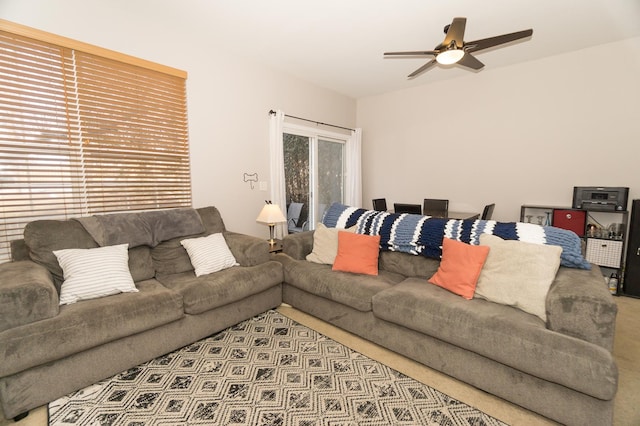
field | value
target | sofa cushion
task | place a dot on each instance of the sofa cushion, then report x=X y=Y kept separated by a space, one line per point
x=502 y=333
x=357 y=253
x=44 y=236
x=141 y=263
x=353 y=290
x=209 y=254
x=220 y=288
x=579 y=305
x=142 y=228
x=95 y=272
x=27 y=294
x=86 y=324
x=211 y=219
x=518 y=274
x=170 y=257
x=407 y=264
x=460 y=267
x=325 y=244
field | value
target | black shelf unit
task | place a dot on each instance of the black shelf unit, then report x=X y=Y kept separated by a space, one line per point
x=602 y=250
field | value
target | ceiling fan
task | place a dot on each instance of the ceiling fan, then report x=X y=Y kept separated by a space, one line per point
x=454 y=50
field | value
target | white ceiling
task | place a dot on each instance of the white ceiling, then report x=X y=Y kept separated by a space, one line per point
x=339 y=44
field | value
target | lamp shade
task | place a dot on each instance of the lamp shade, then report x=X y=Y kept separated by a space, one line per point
x=271 y=214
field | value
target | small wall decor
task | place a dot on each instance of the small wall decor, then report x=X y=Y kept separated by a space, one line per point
x=250 y=177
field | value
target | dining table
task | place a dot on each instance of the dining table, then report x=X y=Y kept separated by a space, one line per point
x=463 y=215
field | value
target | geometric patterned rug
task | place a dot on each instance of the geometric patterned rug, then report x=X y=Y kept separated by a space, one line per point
x=270 y=371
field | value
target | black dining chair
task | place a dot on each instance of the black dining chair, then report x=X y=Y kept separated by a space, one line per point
x=380 y=204
x=407 y=208
x=435 y=207
x=488 y=211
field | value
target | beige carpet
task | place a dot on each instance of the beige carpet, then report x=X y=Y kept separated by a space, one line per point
x=626 y=351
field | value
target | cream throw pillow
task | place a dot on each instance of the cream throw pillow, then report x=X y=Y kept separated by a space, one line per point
x=518 y=274
x=209 y=254
x=95 y=272
x=325 y=244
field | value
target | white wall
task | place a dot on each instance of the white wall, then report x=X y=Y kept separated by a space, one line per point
x=521 y=134
x=228 y=96
x=524 y=134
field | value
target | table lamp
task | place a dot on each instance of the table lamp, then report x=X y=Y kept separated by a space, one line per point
x=270 y=215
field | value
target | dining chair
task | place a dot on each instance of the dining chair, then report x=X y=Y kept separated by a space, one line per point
x=487 y=212
x=380 y=204
x=435 y=207
x=407 y=208
x=293 y=217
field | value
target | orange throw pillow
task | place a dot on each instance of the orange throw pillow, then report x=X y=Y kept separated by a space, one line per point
x=460 y=267
x=357 y=253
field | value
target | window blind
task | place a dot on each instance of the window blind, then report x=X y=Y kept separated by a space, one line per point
x=82 y=134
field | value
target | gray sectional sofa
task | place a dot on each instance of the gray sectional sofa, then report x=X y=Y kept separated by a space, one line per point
x=562 y=368
x=48 y=350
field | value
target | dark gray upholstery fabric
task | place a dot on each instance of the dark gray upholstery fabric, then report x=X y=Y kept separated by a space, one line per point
x=39 y=385
x=45 y=236
x=555 y=401
x=247 y=250
x=408 y=265
x=48 y=351
x=579 y=305
x=86 y=324
x=168 y=224
x=354 y=290
x=141 y=264
x=499 y=332
x=220 y=288
x=211 y=219
x=27 y=294
x=19 y=250
x=120 y=228
x=170 y=257
x=143 y=228
x=298 y=245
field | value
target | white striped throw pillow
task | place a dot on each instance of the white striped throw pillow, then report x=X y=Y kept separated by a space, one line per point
x=95 y=272
x=209 y=254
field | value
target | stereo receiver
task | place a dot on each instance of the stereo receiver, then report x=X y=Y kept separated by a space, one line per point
x=601 y=198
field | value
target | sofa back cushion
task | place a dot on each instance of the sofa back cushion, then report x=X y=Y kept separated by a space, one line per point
x=140 y=263
x=211 y=219
x=165 y=228
x=44 y=236
x=170 y=257
x=407 y=264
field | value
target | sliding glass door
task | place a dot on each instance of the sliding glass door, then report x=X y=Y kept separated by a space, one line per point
x=314 y=176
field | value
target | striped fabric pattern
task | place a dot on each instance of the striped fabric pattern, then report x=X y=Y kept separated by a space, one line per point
x=95 y=272
x=209 y=254
x=422 y=235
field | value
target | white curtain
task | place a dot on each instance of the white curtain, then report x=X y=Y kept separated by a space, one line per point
x=353 y=193
x=276 y=167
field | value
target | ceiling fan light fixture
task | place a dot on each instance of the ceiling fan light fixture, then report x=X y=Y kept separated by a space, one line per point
x=449 y=57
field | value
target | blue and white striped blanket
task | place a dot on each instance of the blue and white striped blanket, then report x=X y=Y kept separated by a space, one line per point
x=422 y=235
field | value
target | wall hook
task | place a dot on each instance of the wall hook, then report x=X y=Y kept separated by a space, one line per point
x=250 y=177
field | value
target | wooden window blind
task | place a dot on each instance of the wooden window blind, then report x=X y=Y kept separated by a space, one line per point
x=83 y=133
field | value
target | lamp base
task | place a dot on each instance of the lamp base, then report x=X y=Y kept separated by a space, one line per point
x=271 y=239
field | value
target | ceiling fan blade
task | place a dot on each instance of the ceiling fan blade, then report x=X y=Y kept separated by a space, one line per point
x=455 y=32
x=422 y=68
x=485 y=43
x=470 y=61
x=416 y=53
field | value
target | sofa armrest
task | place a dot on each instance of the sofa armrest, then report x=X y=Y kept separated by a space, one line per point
x=298 y=245
x=248 y=250
x=580 y=305
x=27 y=294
